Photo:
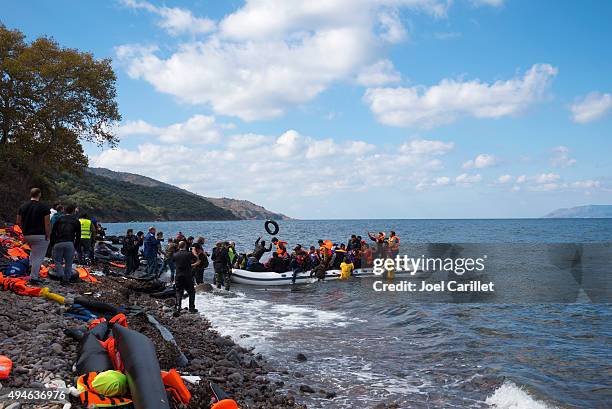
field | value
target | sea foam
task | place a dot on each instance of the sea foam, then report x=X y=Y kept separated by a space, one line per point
x=511 y=396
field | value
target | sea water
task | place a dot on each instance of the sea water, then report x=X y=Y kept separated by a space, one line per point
x=370 y=347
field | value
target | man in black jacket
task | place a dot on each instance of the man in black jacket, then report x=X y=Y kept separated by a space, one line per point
x=130 y=251
x=66 y=238
x=183 y=281
x=222 y=265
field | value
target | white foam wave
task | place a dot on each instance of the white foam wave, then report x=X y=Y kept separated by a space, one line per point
x=511 y=396
x=238 y=316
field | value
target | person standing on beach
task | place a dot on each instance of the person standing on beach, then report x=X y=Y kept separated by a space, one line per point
x=222 y=265
x=183 y=280
x=169 y=257
x=59 y=212
x=66 y=236
x=150 y=251
x=200 y=262
x=87 y=232
x=34 y=219
x=130 y=251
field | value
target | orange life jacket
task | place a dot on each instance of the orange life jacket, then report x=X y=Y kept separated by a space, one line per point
x=225 y=404
x=5 y=366
x=95 y=322
x=120 y=319
x=281 y=248
x=17 y=252
x=394 y=242
x=113 y=353
x=44 y=271
x=18 y=286
x=90 y=397
x=175 y=385
x=85 y=276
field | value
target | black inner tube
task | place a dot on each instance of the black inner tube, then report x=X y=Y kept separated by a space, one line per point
x=267 y=227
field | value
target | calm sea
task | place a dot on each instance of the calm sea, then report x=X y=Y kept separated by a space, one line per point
x=525 y=349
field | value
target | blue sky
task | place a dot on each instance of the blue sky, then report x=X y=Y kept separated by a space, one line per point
x=356 y=109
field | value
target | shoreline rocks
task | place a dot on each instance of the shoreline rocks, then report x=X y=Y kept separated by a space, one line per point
x=32 y=335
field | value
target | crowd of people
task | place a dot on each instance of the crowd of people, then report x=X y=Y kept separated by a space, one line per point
x=357 y=253
x=64 y=233
x=60 y=232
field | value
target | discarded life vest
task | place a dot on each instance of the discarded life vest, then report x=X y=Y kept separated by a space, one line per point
x=225 y=404
x=5 y=366
x=89 y=396
x=17 y=253
x=175 y=386
x=17 y=268
x=19 y=287
x=85 y=275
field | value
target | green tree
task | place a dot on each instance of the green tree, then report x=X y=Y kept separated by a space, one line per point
x=51 y=99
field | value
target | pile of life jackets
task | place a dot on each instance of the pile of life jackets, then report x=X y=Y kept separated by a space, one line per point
x=105 y=340
x=15 y=257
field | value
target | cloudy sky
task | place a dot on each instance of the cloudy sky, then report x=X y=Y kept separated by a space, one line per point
x=356 y=108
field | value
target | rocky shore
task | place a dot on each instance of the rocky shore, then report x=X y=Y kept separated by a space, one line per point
x=32 y=335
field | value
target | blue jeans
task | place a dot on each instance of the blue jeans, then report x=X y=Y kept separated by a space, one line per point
x=63 y=253
x=152 y=265
x=172 y=268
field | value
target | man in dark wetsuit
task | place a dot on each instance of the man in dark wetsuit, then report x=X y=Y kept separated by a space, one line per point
x=260 y=248
x=200 y=263
x=183 y=281
x=222 y=265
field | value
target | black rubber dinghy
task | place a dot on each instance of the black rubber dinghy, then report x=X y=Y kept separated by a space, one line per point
x=274 y=225
x=141 y=368
x=92 y=356
x=98 y=307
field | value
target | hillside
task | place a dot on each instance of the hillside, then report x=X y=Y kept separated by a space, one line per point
x=241 y=209
x=114 y=201
x=590 y=211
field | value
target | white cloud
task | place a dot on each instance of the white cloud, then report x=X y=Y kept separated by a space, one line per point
x=544 y=178
x=138 y=127
x=303 y=161
x=393 y=30
x=467 y=180
x=427 y=147
x=586 y=184
x=270 y=55
x=592 y=107
x=504 y=179
x=484 y=160
x=440 y=104
x=561 y=157
x=197 y=129
x=381 y=73
x=521 y=179
x=173 y=19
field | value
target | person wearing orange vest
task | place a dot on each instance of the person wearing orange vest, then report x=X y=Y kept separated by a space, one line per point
x=281 y=247
x=393 y=243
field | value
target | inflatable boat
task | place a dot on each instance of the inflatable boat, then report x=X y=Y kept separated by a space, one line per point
x=270 y=278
